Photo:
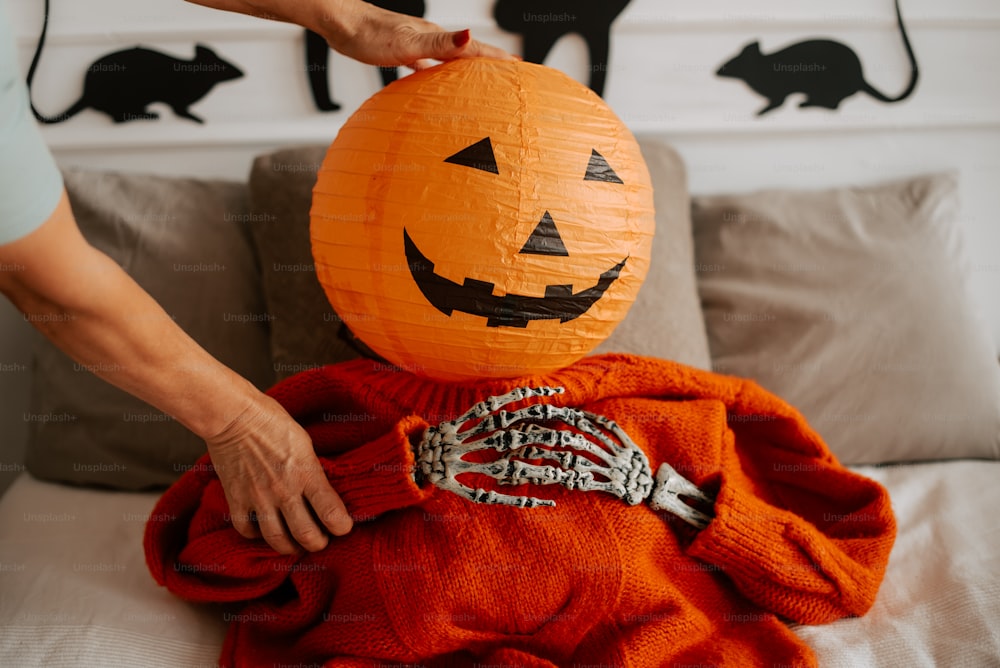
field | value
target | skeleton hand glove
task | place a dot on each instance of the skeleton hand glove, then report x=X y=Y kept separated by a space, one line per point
x=587 y=452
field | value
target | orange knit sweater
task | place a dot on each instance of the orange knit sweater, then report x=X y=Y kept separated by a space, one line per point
x=430 y=578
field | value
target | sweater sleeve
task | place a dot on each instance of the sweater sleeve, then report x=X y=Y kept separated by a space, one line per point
x=191 y=545
x=366 y=450
x=378 y=476
x=798 y=534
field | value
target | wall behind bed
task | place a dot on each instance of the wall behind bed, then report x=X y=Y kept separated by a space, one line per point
x=660 y=80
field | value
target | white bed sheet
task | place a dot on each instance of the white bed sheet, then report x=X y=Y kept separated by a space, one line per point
x=74 y=590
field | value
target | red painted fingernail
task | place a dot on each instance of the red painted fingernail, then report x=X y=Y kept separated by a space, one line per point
x=462 y=38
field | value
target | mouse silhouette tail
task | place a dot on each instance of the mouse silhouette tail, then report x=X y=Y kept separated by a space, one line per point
x=73 y=110
x=915 y=71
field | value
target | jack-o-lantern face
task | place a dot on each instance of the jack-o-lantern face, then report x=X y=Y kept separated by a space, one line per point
x=511 y=310
x=482 y=219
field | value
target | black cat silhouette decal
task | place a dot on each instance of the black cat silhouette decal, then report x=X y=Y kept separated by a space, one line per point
x=542 y=22
x=828 y=72
x=124 y=83
x=318 y=55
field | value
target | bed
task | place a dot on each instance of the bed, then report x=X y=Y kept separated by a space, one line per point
x=845 y=261
x=89 y=600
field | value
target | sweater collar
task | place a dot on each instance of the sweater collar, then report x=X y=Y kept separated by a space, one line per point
x=586 y=380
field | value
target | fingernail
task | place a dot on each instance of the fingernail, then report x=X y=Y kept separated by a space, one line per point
x=462 y=37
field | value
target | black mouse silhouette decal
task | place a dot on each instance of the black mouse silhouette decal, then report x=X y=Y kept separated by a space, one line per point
x=542 y=22
x=318 y=55
x=124 y=83
x=828 y=72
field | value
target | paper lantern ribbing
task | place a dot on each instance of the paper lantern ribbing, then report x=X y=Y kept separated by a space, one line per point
x=482 y=218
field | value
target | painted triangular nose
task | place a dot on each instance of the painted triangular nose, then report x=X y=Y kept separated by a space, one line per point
x=545 y=240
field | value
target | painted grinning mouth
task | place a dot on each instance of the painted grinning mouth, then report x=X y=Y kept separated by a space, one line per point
x=477 y=298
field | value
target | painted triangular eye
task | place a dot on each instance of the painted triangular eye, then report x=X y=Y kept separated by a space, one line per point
x=478 y=156
x=598 y=169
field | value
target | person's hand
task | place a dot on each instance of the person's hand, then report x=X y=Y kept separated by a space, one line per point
x=368 y=33
x=274 y=484
x=381 y=37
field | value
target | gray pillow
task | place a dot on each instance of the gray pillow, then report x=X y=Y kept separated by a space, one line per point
x=665 y=320
x=852 y=305
x=305 y=331
x=187 y=243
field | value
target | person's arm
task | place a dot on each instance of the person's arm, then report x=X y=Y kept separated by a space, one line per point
x=367 y=33
x=88 y=306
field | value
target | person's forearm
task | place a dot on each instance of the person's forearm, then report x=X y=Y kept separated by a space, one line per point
x=322 y=16
x=101 y=318
x=124 y=337
x=368 y=33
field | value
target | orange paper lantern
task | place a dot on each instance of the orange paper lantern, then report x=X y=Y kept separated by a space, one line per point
x=482 y=218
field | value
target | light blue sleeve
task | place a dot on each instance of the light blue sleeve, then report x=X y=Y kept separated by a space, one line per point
x=30 y=183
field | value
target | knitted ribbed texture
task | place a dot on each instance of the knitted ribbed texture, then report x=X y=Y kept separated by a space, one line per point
x=441 y=581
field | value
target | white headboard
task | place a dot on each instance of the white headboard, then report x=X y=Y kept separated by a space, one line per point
x=660 y=80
